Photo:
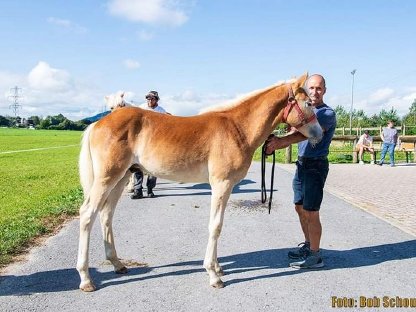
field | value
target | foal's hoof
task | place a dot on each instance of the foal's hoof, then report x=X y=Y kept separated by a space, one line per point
x=88 y=287
x=218 y=284
x=122 y=270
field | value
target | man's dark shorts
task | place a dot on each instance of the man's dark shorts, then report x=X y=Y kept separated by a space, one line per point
x=308 y=183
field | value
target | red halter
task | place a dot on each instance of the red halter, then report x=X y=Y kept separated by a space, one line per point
x=293 y=103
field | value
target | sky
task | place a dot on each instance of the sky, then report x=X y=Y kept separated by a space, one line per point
x=66 y=56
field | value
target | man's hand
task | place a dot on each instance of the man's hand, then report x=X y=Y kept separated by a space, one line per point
x=273 y=143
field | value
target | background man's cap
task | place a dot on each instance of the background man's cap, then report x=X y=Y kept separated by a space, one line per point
x=152 y=94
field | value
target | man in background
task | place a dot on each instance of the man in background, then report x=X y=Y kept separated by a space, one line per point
x=152 y=99
x=389 y=137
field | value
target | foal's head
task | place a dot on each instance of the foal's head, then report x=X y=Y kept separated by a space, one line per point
x=299 y=113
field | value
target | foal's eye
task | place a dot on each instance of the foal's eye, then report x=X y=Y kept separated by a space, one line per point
x=308 y=104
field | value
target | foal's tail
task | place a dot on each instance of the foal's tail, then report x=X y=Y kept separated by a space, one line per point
x=86 y=172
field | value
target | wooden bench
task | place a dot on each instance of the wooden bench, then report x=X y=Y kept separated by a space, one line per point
x=378 y=146
x=408 y=149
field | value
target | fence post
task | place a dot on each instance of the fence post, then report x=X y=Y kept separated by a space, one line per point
x=414 y=151
x=354 y=151
x=288 y=154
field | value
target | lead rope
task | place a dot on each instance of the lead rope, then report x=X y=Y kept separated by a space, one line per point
x=263 y=176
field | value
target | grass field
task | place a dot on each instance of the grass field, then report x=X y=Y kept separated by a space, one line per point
x=39 y=188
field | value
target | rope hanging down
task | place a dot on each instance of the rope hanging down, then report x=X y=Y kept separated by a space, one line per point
x=263 y=176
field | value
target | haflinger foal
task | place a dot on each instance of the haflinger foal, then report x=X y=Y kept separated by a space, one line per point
x=215 y=147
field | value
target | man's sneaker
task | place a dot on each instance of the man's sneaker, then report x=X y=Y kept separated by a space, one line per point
x=150 y=193
x=137 y=194
x=361 y=162
x=312 y=261
x=372 y=162
x=301 y=252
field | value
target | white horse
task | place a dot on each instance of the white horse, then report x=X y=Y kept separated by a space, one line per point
x=215 y=147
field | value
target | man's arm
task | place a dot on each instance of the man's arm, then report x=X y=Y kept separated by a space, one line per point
x=282 y=142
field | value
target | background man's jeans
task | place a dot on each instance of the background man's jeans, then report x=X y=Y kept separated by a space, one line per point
x=390 y=148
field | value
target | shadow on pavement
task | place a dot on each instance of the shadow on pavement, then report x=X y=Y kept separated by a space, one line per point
x=67 y=279
x=202 y=186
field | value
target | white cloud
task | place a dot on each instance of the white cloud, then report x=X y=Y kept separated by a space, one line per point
x=381 y=95
x=154 y=12
x=44 y=77
x=50 y=91
x=410 y=96
x=66 y=24
x=186 y=103
x=190 y=103
x=373 y=103
x=59 y=22
x=387 y=98
x=131 y=64
x=9 y=80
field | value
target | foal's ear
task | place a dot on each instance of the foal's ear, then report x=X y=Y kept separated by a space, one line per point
x=302 y=79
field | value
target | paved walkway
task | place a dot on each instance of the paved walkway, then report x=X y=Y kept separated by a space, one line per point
x=386 y=192
x=162 y=241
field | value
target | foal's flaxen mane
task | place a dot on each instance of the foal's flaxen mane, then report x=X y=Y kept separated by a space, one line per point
x=227 y=105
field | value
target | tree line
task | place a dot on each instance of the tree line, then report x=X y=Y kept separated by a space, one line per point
x=58 y=122
x=359 y=119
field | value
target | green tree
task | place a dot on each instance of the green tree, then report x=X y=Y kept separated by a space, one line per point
x=343 y=117
x=35 y=119
x=385 y=116
x=45 y=123
x=375 y=121
x=5 y=122
x=410 y=118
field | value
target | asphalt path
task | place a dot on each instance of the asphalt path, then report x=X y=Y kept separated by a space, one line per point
x=163 y=241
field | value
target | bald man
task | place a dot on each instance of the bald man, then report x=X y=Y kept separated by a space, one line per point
x=311 y=171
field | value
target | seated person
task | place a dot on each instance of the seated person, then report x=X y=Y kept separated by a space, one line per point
x=365 y=144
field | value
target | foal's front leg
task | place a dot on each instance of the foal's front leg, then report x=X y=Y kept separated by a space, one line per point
x=220 y=193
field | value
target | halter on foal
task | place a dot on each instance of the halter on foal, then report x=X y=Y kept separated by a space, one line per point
x=215 y=147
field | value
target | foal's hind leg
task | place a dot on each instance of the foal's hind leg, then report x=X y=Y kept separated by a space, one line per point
x=87 y=215
x=221 y=191
x=106 y=220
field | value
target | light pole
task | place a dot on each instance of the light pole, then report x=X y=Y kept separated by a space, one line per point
x=352 y=98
